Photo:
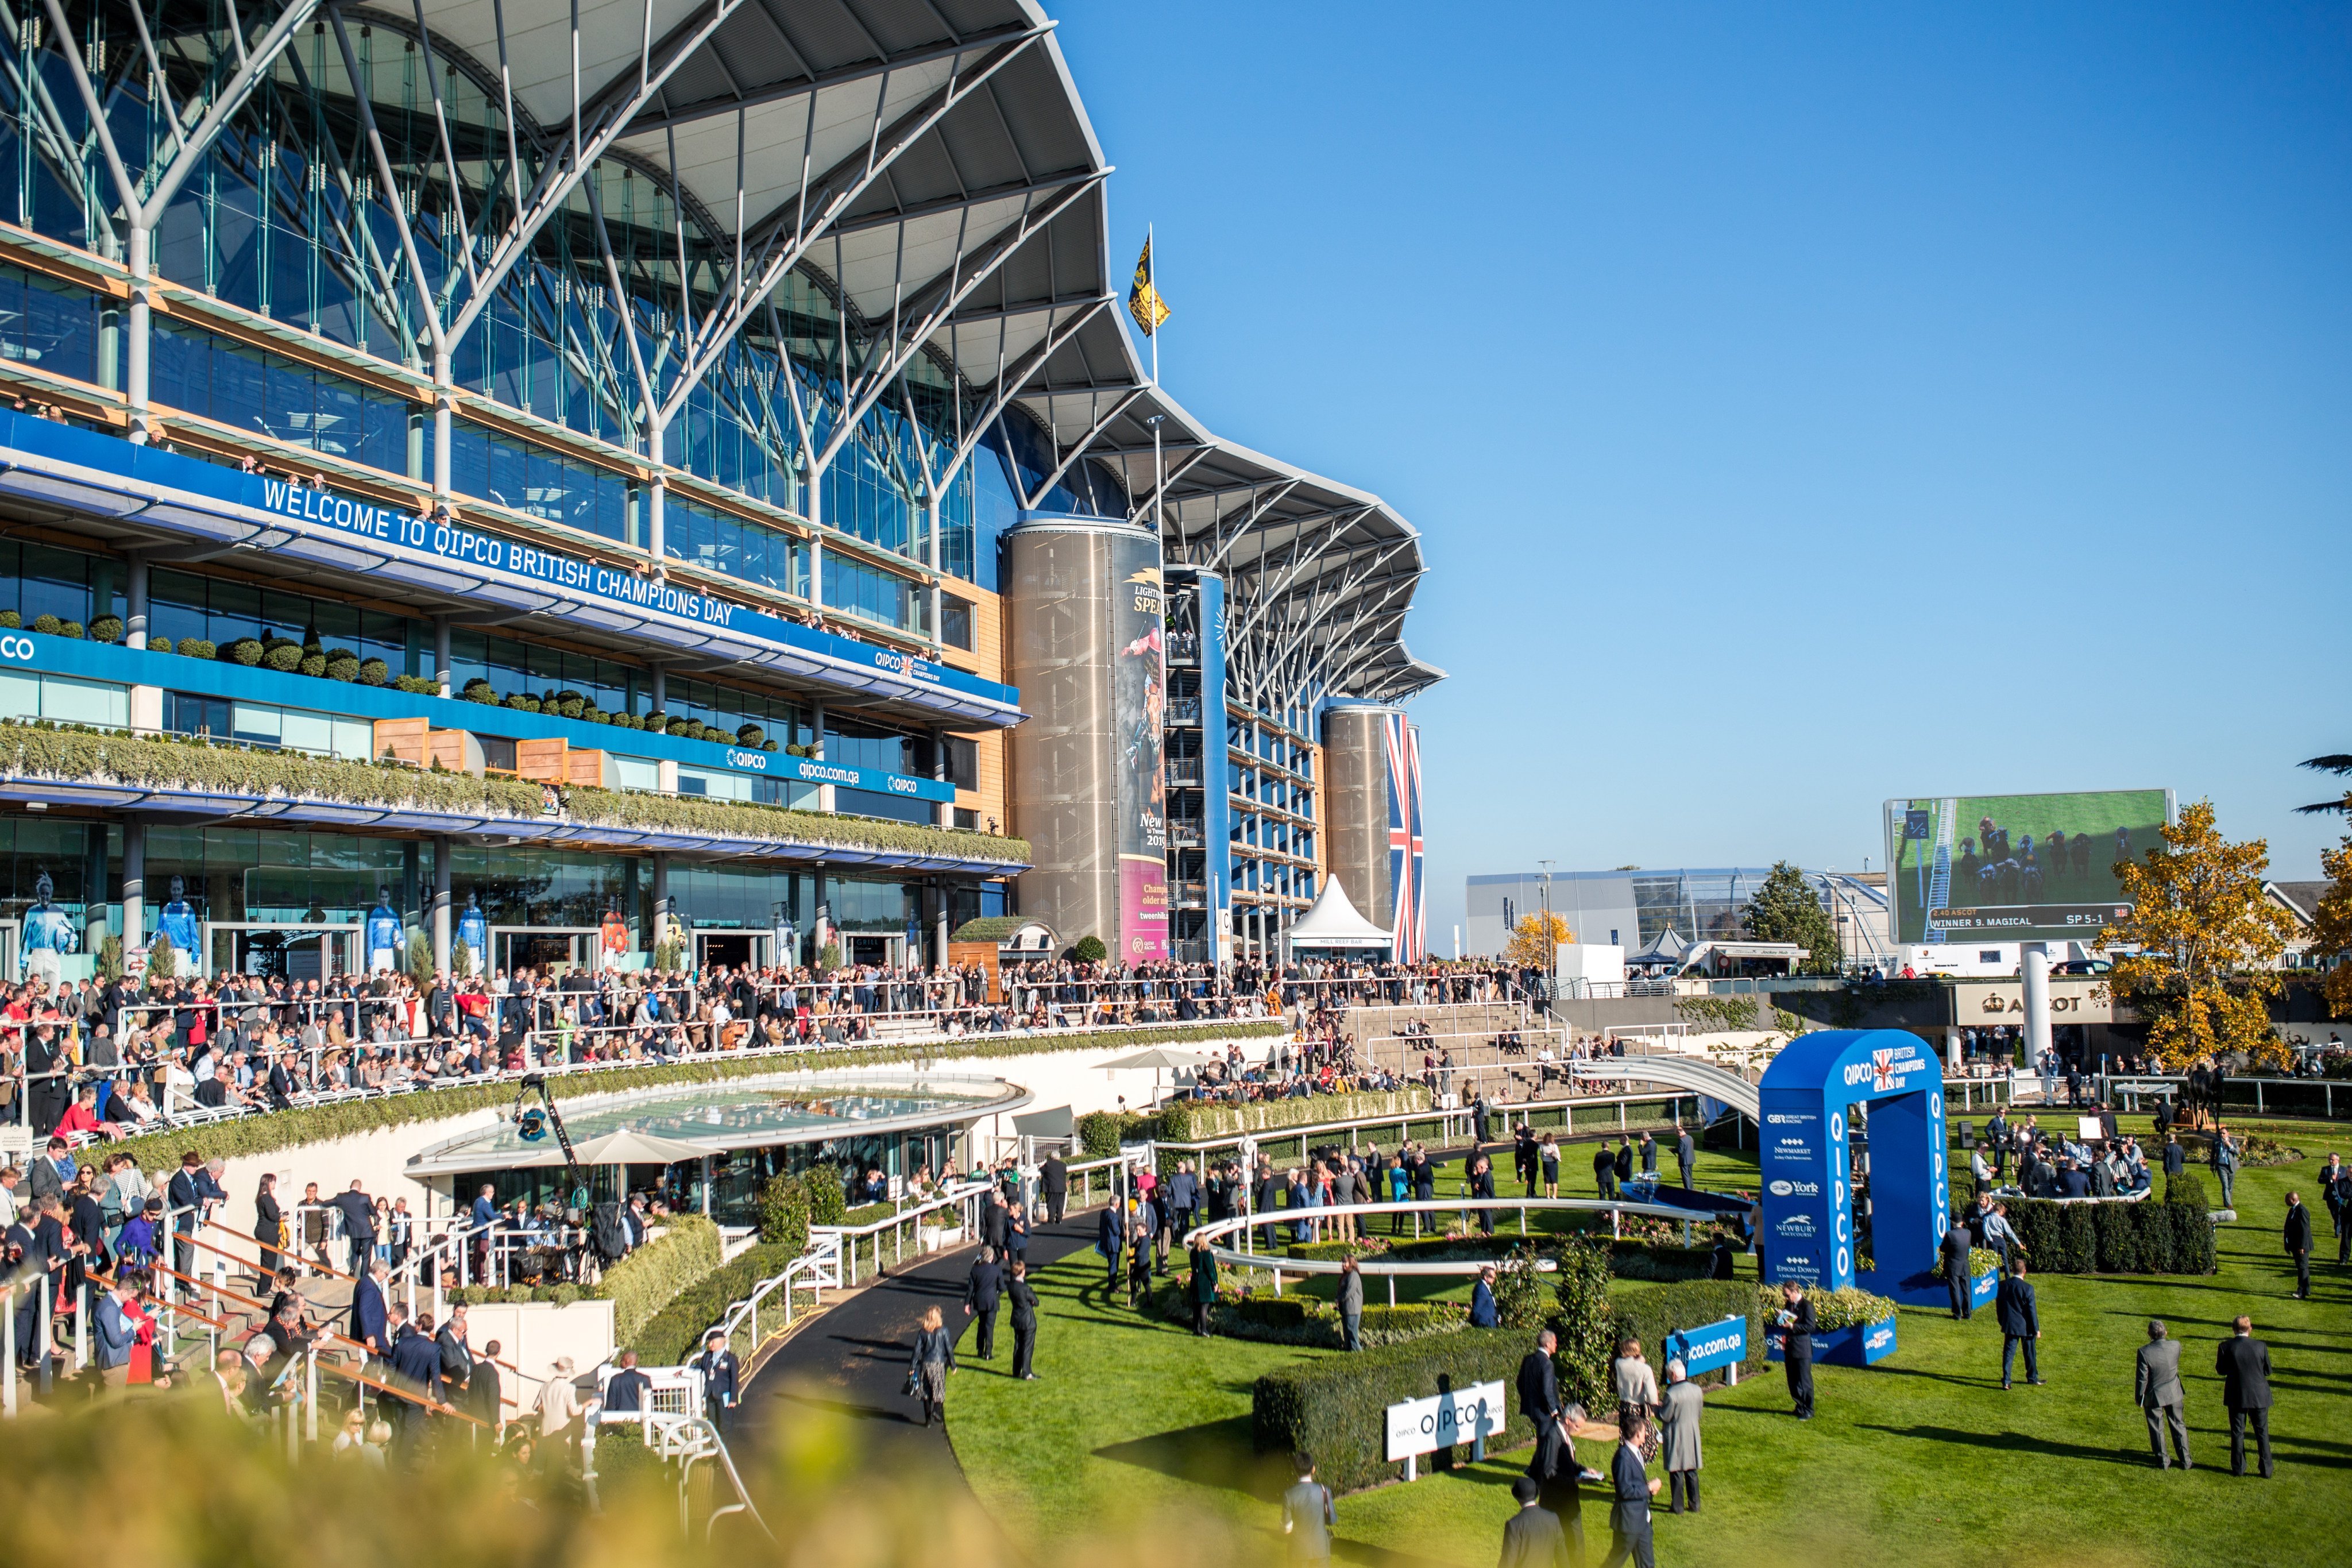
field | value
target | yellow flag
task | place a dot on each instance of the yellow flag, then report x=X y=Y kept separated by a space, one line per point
x=1143 y=300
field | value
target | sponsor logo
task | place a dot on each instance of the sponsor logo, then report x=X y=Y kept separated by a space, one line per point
x=1785 y=1189
x=1788 y=1119
x=1844 y=1263
x=1794 y=1225
x=16 y=647
x=1880 y=1337
x=756 y=760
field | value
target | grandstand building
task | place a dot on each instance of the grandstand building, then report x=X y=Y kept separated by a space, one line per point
x=723 y=413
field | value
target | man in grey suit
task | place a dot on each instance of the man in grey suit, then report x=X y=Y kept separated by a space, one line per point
x=2156 y=1384
x=1686 y=1154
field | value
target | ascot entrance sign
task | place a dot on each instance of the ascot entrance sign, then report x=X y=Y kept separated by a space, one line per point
x=1805 y=1104
x=1421 y=1427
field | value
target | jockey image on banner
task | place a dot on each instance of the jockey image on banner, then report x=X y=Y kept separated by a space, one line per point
x=612 y=939
x=177 y=921
x=386 y=941
x=474 y=931
x=48 y=935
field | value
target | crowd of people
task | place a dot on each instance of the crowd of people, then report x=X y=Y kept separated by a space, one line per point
x=107 y=1060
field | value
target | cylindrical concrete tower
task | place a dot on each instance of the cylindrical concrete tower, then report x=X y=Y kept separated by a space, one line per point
x=1356 y=803
x=1084 y=608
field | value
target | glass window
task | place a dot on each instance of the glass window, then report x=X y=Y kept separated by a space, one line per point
x=69 y=701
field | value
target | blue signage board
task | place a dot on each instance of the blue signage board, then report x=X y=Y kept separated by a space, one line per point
x=484 y=553
x=1216 y=802
x=1708 y=1347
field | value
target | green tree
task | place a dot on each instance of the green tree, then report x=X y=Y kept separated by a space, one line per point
x=1786 y=909
x=1586 y=1326
x=2331 y=932
x=2207 y=940
x=1518 y=1290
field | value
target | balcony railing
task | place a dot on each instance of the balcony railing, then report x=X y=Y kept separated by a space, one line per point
x=1184 y=710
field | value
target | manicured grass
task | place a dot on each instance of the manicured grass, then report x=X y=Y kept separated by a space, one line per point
x=1922 y=1459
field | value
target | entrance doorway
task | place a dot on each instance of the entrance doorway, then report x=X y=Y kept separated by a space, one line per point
x=873 y=950
x=550 y=950
x=289 y=950
x=735 y=949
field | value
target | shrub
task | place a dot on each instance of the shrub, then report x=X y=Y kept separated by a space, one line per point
x=106 y=628
x=313 y=665
x=647 y=1280
x=246 y=651
x=568 y=706
x=1184 y=1122
x=1660 y=1261
x=374 y=672
x=47 y=625
x=682 y=726
x=12 y=620
x=672 y=1336
x=784 y=1213
x=154 y=645
x=1100 y=1133
x=1586 y=1322
x=751 y=734
x=477 y=690
x=416 y=685
x=1848 y=1309
x=1333 y=1406
x=286 y=656
x=345 y=669
x=1089 y=950
x=1519 y=1291
x=71 y=630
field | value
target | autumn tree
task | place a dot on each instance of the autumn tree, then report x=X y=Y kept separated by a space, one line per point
x=2331 y=931
x=1786 y=909
x=1528 y=948
x=2207 y=941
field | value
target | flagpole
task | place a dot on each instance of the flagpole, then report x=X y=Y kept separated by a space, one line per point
x=1159 y=474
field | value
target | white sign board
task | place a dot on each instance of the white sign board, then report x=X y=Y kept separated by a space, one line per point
x=1421 y=1427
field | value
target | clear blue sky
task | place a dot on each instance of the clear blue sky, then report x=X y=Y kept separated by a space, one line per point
x=1802 y=406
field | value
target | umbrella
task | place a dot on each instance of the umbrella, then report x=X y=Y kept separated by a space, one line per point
x=630 y=1147
x=1159 y=1059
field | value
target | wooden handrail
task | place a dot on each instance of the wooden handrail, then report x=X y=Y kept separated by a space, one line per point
x=291 y=1249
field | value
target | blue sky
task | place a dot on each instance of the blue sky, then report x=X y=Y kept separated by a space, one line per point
x=1802 y=406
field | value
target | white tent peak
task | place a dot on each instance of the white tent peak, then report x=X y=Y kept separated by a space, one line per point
x=1332 y=921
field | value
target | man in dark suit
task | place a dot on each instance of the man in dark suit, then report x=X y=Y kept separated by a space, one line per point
x=416 y=1368
x=1113 y=1239
x=1795 y=1325
x=358 y=1212
x=2156 y=1384
x=995 y=1220
x=722 y=1378
x=2244 y=1364
x=983 y=1293
x=1054 y=1181
x=1996 y=1134
x=2021 y=1324
x=625 y=1389
x=1604 y=1170
x=2298 y=1244
x=1538 y=1382
x=1624 y=1160
x=1686 y=1156
x=1631 y=1490
x=1956 y=1283
x=1532 y=1537
x=371 y=1321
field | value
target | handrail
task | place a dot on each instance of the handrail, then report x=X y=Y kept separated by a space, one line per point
x=1499 y=1109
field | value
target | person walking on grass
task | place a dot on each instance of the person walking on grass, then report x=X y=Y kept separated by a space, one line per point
x=1794 y=1323
x=1308 y=1517
x=1204 y=1285
x=1351 y=1304
x=1630 y=1492
x=1025 y=1322
x=2298 y=1244
x=934 y=1358
x=2021 y=1324
x=2244 y=1364
x=1532 y=1537
x=2156 y=1384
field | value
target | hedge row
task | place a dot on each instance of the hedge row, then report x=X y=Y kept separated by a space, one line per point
x=272 y=1130
x=1301 y=1320
x=1650 y=1316
x=641 y=1284
x=672 y=1336
x=2116 y=1238
x=48 y=752
x=1185 y=1121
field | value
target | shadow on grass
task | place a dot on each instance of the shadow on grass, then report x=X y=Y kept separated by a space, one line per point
x=2013 y=1442
x=1212 y=1454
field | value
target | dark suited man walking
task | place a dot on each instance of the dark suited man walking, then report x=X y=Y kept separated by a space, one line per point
x=2021 y=1324
x=1538 y=1383
x=2156 y=1384
x=1532 y=1537
x=1113 y=1239
x=1025 y=1322
x=1955 y=1244
x=2244 y=1364
x=2298 y=1244
x=1686 y=1156
x=982 y=1292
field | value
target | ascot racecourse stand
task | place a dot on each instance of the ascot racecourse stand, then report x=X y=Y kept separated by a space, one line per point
x=723 y=414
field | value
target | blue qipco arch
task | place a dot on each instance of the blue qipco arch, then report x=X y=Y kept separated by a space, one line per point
x=1808 y=1167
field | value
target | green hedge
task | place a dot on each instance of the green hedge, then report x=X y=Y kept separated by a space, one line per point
x=562 y=1295
x=276 y=1129
x=1333 y=1406
x=652 y=1276
x=1187 y=1121
x=2145 y=1236
x=1651 y=1315
x=48 y=752
x=672 y=1336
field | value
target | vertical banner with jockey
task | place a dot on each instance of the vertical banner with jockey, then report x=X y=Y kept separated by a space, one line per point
x=1408 y=911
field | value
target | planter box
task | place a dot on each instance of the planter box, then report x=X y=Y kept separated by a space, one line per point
x=1848 y=1347
x=1982 y=1288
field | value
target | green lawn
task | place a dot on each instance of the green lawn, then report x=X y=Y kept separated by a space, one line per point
x=1922 y=1459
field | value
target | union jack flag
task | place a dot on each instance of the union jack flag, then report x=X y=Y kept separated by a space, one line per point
x=1408 y=911
x=1882 y=1070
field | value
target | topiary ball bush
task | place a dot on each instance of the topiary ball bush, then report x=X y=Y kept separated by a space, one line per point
x=515 y=700
x=568 y=706
x=154 y=645
x=374 y=672
x=197 y=648
x=313 y=664
x=71 y=629
x=342 y=669
x=751 y=734
x=106 y=628
x=286 y=656
x=416 y=685
x=12 y=620
x=682 y=727
x=47 y=625
x=247 y=651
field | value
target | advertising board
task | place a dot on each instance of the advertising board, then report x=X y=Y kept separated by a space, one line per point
x=2015 y=868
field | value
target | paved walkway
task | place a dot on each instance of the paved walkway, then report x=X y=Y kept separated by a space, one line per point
x=852 y=1360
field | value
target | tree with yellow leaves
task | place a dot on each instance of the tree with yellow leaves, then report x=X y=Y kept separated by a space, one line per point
x=1528 y=948
x=2207 y=942
x=2331 y=931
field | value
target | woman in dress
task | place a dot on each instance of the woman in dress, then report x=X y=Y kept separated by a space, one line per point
x=268 y=1227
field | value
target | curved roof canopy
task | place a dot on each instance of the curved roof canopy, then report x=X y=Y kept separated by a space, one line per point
x=930 y=163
